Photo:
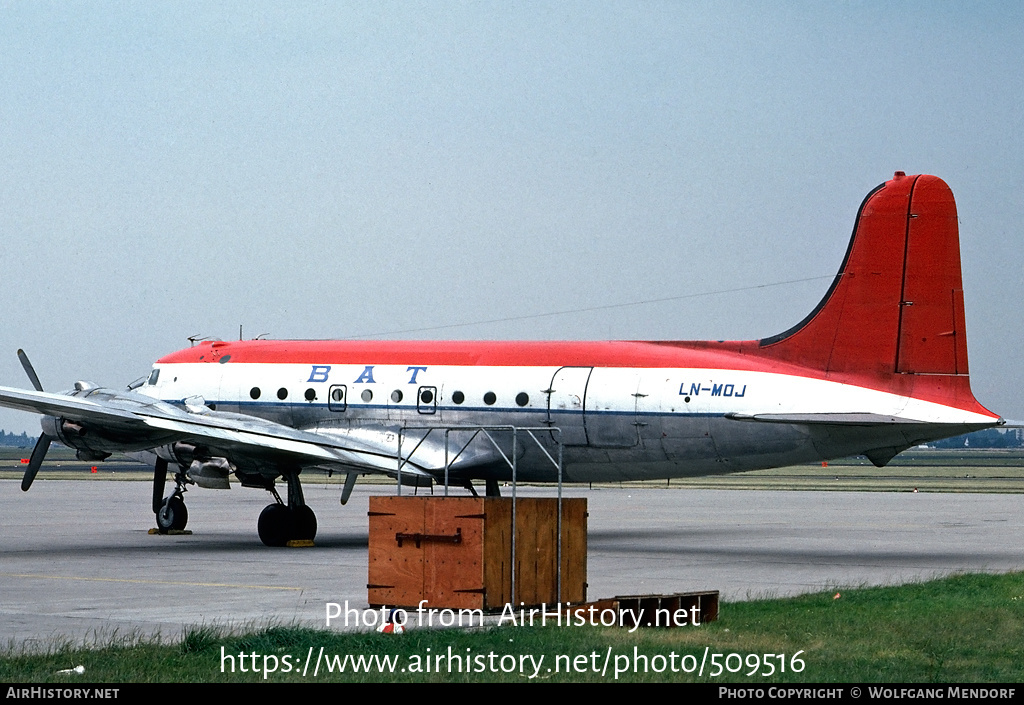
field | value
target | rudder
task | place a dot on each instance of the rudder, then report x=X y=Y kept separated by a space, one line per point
x=932 y=337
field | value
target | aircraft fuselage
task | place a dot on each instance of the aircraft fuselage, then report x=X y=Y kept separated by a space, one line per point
x=616 y=422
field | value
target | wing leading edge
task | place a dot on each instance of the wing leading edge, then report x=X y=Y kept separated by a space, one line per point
x=103 y=421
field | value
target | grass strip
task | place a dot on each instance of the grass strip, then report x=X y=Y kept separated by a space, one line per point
x=962 y=629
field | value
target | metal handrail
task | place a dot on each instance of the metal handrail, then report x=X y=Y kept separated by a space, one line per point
x=512 y=463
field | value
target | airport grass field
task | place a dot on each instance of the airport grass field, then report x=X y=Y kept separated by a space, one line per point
x=963 y=629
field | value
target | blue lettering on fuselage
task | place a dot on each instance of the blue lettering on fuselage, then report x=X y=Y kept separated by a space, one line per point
x=319 y=373
x=415 y=371
x=366 y=377
x=717 y=390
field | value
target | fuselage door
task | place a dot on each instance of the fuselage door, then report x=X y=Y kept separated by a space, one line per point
x=566 y=404
x=611 y=408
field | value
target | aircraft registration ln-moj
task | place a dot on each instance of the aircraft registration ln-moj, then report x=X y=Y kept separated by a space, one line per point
x=878 y=366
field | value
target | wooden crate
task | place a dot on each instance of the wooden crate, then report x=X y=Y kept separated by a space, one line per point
x=455 y=552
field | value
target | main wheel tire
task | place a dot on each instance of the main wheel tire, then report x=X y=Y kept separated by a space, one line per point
x=172 y=516
x=305 y=524
x=275 y=525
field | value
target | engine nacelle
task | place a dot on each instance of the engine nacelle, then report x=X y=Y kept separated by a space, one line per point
x=211 y=474
x=69 y=433
x=94 y=444
x=91 y=456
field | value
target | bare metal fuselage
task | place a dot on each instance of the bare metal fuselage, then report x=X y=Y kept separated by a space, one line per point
x=614 y=423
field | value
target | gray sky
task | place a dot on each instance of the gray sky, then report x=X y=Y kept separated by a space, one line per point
x=332 y=170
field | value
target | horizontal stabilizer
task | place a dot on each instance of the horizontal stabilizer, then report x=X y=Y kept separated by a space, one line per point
x=850 y=419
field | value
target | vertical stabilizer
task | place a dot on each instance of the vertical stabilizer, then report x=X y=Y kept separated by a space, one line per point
x=893 y=318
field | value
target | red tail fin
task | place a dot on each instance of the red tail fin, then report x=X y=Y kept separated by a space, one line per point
x=893 y=318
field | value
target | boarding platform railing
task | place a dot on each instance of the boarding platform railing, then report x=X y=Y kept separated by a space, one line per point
x=486 y=434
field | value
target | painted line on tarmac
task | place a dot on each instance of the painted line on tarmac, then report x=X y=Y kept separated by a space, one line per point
x=41 y=576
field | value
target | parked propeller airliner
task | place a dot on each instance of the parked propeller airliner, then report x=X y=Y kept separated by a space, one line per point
x=878 y=366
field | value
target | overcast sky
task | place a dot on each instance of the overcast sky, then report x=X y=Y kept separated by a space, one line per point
x=432 y=170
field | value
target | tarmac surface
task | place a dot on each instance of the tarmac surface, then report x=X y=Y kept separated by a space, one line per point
x=77 y=562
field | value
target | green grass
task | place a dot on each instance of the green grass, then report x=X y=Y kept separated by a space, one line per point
x=964 y=629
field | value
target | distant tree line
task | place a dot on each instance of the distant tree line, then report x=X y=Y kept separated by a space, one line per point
x=989 y=438
x=22 y=441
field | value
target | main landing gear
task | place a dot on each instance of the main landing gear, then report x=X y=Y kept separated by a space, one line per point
x=171 y=513
x=280 y=523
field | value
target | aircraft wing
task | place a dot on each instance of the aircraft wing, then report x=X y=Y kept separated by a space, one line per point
x=69 y=407
x=138 y=423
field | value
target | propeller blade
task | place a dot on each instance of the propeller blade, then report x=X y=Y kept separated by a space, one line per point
x=34 y=463
x=31 y=372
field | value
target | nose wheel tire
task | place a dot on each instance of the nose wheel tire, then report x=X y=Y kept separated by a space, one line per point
x=172 y=515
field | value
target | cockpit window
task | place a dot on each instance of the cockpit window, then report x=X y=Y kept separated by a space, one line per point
x=154 y=376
